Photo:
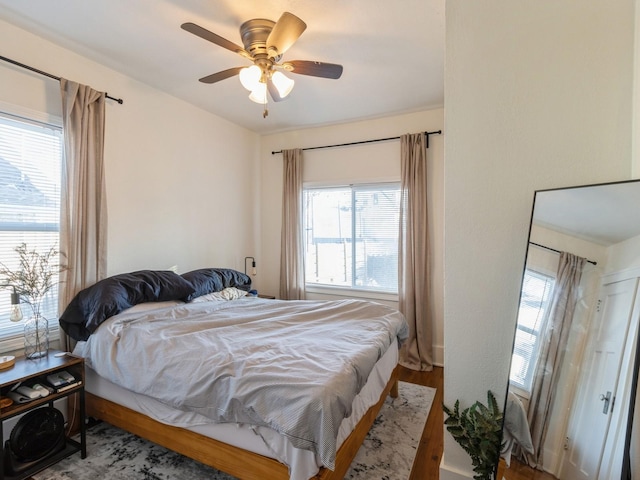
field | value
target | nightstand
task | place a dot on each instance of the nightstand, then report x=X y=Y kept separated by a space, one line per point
x=34 y=371
x=270 y=297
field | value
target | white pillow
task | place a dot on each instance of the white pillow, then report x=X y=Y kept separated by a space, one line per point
x=233 y=293
x=230 y=293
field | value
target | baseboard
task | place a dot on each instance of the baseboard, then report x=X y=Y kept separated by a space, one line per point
x=552 y=461
x=438 y=355
x=447 y=472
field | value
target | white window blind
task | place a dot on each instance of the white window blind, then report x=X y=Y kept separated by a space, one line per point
x=30 y=175
x=351 y=236
x=532 y=317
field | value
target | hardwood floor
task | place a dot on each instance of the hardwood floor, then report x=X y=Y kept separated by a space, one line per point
x=426 y=466
x=518 y=471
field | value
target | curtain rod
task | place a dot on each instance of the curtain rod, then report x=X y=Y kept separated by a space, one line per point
x=557 y=251
x=438 y=132
x=119 y=100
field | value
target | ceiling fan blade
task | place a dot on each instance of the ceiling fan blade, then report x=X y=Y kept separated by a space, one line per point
x=315 y=69
x=273 y=91
x=216 y=77
x=214 y=38
x=284 y=33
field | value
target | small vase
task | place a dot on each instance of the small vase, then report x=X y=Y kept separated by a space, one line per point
x=36 y=337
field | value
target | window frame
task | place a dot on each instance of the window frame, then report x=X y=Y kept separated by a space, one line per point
x=524 y=390
x=346 y=290
x=14 y=341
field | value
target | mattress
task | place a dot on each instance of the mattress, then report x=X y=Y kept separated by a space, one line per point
x=302 y=464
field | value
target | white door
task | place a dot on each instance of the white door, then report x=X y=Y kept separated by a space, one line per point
x=592 y=415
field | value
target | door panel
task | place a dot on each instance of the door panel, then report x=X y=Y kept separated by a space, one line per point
x=590 y=423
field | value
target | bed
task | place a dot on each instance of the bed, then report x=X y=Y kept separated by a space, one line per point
x=253 y=387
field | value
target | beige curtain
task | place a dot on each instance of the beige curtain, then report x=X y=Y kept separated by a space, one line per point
x=413 y=253
x=556 y=334
x=291 y=240
x=83 y=217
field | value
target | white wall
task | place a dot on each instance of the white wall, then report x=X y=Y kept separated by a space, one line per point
x=537 y=95
x=624 y=255
x=179 y=180
x=371 y=162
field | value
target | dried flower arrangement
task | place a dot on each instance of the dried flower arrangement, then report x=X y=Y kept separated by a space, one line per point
x=35 y=276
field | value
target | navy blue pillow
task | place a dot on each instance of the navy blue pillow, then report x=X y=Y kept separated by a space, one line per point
x=108 y=297
x=203 y=281
x=208 y=280
x=234 y=278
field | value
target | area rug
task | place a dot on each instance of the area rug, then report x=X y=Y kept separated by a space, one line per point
x=387 y=452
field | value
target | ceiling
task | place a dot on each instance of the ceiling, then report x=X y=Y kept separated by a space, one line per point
x=392 y=52
x=605 y=214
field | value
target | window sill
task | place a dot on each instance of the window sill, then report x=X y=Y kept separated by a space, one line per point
x=519 y=391
x=14 y=343
x=351 y=293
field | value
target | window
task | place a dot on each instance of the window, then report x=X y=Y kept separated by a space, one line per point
x=351 y=236
x=30 y=176
x=534 y=304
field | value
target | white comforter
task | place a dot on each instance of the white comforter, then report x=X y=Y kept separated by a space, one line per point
x=293 y=366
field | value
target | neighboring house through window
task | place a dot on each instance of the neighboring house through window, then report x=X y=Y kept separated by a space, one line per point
x=351 y=236
x=30 y=176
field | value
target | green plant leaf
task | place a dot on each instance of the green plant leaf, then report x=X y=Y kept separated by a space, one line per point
x=477 y=430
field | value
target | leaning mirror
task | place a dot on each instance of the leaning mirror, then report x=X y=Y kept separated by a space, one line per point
x=573 y=370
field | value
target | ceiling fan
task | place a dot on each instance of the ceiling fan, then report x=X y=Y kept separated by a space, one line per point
x=265 y=42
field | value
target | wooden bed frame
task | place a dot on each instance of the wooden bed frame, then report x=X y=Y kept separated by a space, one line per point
x=235 y=461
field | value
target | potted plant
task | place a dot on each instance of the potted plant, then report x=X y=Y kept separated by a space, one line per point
x=34 y=277
x=478 y=430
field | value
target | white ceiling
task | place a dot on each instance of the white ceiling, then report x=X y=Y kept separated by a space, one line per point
x=392 y=52
x=604 y=214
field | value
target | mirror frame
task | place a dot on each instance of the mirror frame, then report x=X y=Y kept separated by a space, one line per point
x=626 y=460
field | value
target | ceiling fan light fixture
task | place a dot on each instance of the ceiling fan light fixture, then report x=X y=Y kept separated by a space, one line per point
x=283 y=84
x=259 y=93
x=264 y=43
x=250 y=77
